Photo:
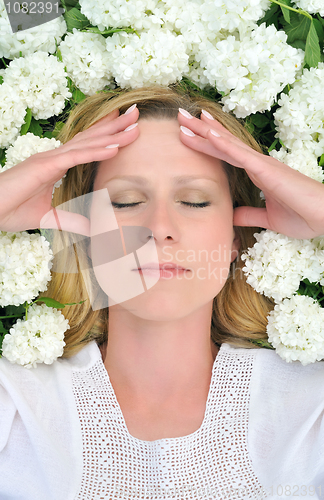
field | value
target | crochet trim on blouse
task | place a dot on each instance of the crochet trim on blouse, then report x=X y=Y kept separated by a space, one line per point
x=211 y=463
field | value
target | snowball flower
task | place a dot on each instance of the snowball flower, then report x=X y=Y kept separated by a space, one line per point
x=300 y=118
x=26 y=146
x=155 y=57
x=250 y=71
x=39 y=339
x=232 y=15
x=40 y=80
x=25 y=263
x=296 y=329
x=86 y=60
x=42 y=37
x=276 y=264
x=137 y=14
x=12 y=114
x=311 y=6
x=302 y=160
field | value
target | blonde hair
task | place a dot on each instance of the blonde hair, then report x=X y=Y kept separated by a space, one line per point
x=239 y=313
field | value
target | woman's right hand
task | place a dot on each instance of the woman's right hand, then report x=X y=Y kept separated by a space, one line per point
x=26 y=189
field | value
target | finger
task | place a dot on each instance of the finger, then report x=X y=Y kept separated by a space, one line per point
x=103 y=140
x=109 y=127
x=251 y=217
x=65 y=221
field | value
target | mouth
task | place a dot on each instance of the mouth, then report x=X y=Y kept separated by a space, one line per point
x=161 y=267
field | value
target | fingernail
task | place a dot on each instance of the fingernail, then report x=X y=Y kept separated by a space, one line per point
x=130 y=127
x=213 y=132
x=112 y=146
x=186 y=131
x=208 y=115
x=185 y=113
x=129 y=110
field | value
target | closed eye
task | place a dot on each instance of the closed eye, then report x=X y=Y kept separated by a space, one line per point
x=187 y=203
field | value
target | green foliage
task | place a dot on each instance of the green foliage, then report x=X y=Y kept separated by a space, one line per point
x=26 y=125
x=312 y=49
x=74 y=19
x=262 y=343
x=312 y=290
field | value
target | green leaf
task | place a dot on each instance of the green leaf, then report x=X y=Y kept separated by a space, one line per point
x=59 y=55
x=77 y=95
x=58 y=127
x=1 y=80
x=298 y=28
x=299 y=44
x=2 y=157
x=271 y=16
x=286 y=12
x=50 y=302
x=259 y=120
x=273 y=145
x=74 y=19
x=24 y=129
x=312 y=50
x=319 y=30
x=35 y=128
x=3 y=330
x=262 y=343
x=321 y=161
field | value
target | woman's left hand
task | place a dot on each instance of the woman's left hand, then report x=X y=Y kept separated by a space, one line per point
x=294 y=202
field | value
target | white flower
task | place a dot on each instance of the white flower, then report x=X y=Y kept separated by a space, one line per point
x=302 y=160
x=40 y=79
x=26 y=146
x=232 y=15
x=276 y=264
x=25 y=263
x=86 y=60
x=311 y=6
x=300 y=118
x=137 y=14
x=39 y=339
x=12 y=114
x=296 y=329
x=41 y=37
x=252 y=70
x=155 y=57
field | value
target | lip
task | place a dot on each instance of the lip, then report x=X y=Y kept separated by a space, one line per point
x=160 y=266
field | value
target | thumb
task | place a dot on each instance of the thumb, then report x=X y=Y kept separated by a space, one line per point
x=251 y=217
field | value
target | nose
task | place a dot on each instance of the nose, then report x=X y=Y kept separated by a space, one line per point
x=163 y=223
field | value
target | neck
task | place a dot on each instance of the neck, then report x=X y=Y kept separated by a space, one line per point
x=160 y=361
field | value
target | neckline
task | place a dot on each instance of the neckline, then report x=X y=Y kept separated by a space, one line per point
x=164 y=440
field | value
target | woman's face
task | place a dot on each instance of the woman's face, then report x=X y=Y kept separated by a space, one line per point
x=183 y=197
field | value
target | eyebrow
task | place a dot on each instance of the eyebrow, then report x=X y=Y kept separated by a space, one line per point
x=178 y=180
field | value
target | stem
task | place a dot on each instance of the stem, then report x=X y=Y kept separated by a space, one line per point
x=298 y=11
x=4 y=62
x=13 y=316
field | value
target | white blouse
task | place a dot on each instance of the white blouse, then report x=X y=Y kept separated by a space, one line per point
x=63 y=435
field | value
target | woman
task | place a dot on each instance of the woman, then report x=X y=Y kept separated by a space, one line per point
x=175 y=403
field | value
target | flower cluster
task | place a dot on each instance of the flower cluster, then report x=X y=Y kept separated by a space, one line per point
x=87 y=61
x=25 y=263
x=311 y=6
x=43 y=37
x=38 y=339
x=275 y=266
x=252 y=70
x=40 y=81
x=295 y=329
x=26 y=146
x=299 y=119
x=301 y=160
x=12 y=114
x=155 y=57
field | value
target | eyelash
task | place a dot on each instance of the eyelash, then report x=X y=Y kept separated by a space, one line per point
x=187 y=203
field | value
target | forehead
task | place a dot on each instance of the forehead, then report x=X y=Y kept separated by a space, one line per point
x=158 y=153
